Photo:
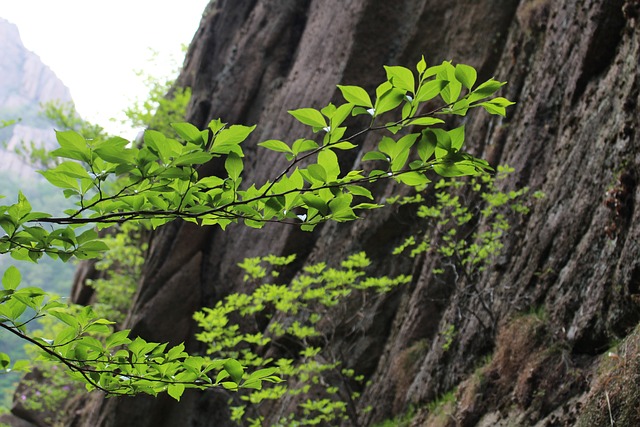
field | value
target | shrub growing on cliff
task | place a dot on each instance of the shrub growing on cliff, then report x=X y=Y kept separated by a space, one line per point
x=114 y=181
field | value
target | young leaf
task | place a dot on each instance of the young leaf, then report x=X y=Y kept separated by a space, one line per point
x=457 y=137
x=187 y=131
x=466 y=75
x=485 y=90
x=425 y=121
x=388 y=101
x=234 y=166
x=430 y=90
x=302 y=145
x=309 y=117
x=356 y=96
x=375 y=155
x=400 y=77
x=358 y=190
x=422 y=65
x=72 y=146
x=275 y=145
x=235 y=370
x=339 y=116
x=175 y=391
x=414 y=179
x=329 y=162
x=11 y=278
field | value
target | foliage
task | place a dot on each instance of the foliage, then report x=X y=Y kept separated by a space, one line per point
x=403 y=420
x=437 y=406
x=113 y=181
x=121 y=269
x=299 y=324
x=465 y=235
x=296 y=319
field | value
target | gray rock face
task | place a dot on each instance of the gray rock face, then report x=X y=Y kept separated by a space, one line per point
x=25 y=79
x=572 y=67
x=25 y=84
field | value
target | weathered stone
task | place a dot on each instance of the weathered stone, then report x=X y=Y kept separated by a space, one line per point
x=572 y=67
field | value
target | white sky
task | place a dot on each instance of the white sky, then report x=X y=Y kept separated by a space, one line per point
x=95 y=46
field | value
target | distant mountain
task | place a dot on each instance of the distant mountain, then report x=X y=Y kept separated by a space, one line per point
x=25 y=84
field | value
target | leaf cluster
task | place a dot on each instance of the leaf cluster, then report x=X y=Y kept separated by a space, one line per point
x=294 y=312
x=112 y=181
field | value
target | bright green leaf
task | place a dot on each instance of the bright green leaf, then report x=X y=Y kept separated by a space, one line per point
x=466 y=75
x=11 y=278
x=400 y=77
x=356 y=96
x=275 y=145
x=309 y=117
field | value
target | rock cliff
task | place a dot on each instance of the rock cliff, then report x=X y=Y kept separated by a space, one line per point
x=25 y=85
x=572 y=68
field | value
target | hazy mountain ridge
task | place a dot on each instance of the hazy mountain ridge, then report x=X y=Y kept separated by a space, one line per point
x=25 y=84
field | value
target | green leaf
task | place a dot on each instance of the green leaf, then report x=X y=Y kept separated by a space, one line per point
x=494 y=109
x=21 y=366
x=8 y=223
x=340 y=115
x=5 y=361
x=235 y=370
x=309 y=117
x=158 y=143
x=430 y=90
x=228 y=140
x=175 y=391
x=72 y=169
x=60 y=180
x=388 y=101
x=233 y=135
x=451 y=92
x=485 y=90
x=341 y=208
x=388 y=146
x=117 y=338
x=356 y=96
x=457 y=137
x=275 y=145
x=234 y=166
x=194 y=158
x=317 y=203
x=427 y=146
x=72 y=146
x=460 y=107
x=414 y=179
x=496 y=106
x=502 y=102
x=253 y=384
x=65 y=317
x=443 y=141
x=422 y=65
x=344 y=145
x=11 y=278
x=187 y=131
x=329 y=161
x=21 y=209
x=114 y=150
x=329 y=110
x=94 y=246
x=375 y=155
x=357 y=190
x=425 y=121
x=302 y=145
x=400 y=77
x=317 y=172
x=466 y=75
